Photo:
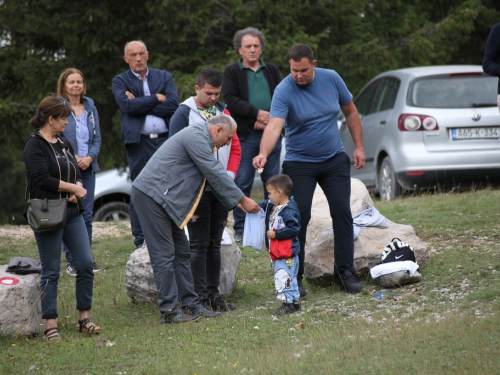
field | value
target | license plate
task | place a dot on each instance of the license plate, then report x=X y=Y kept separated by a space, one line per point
x=476 y=133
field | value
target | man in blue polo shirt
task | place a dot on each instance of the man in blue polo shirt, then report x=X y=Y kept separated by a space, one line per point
x=307 y=103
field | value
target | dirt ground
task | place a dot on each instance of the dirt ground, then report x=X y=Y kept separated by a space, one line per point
x=100 y=229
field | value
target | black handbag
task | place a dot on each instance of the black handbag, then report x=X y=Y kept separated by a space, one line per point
x=47 y=214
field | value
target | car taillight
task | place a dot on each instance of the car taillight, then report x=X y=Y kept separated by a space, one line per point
x=412 y=123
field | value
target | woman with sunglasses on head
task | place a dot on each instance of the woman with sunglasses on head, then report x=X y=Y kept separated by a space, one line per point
x=46 y=156
x=84 y=135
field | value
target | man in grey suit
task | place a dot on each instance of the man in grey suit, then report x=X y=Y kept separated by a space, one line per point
x=166 y=194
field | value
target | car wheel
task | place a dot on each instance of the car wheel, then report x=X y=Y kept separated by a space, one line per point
x=387 y=183
x=113 y=211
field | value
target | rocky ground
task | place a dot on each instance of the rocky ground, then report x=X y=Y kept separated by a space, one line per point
x=100 y=229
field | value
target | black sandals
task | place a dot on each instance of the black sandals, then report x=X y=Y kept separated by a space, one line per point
x=87 y=326
x=52 y=334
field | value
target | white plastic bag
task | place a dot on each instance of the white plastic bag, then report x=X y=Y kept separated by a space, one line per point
x=253 y=233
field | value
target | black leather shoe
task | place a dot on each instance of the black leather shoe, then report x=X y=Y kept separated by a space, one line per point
x=178 y=317
x=198 y=309
x=302 y=290
x=217 y=303
x=348 y=283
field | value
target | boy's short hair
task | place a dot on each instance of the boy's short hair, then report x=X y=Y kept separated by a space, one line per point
x=281 y=182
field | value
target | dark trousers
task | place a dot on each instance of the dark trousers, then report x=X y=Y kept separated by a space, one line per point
x=169 y=253
x=333 y=175
x=49 y=244
x=88 y=179
x=205 y=235
x=246 y=172
x=138 y=155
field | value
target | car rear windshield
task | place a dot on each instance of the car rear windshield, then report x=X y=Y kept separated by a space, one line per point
x=454 y=91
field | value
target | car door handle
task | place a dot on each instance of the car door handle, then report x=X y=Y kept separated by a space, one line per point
x=382 y=122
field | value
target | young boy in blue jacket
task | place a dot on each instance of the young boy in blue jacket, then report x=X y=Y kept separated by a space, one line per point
x=282 y=242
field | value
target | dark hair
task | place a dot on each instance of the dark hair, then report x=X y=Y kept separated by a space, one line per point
x=248 y=31
x=281 y=182
x=211 y=76
x=50 y=106
x=299 y=51
x=61 y=83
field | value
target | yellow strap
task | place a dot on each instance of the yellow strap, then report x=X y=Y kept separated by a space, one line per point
x=195 y=205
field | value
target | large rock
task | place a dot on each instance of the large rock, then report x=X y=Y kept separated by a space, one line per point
x=368 y=246
x=20 y=311
x=140 y=284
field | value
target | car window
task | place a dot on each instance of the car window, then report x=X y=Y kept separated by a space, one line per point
x=364 y=100
x=386 y=95
x=454 y=91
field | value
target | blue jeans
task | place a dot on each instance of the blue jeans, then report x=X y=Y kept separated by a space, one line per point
x=138 y=155
x=49 y=244
x=246 y=173
x=205 y=235
x=88 y=178
x=333 y=175
x=285 y=279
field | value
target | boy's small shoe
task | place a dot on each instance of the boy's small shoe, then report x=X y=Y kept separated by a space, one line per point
x=178 y=317
x=198 y=309
x=70 y=270
x=296 y=306
x=285 y=308
x=347 y=282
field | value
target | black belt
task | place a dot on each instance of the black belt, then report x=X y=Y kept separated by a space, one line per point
x=159 y=135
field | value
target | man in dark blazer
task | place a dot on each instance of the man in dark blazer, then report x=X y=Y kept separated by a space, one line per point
x=147 y=99
x=248 y=87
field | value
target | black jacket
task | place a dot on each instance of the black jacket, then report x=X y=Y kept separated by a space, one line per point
x=235 y=94
x=43 y=169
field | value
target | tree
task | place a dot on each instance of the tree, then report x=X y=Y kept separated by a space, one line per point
x=358 y=38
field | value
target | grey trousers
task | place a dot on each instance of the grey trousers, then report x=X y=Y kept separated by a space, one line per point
x=169 y=252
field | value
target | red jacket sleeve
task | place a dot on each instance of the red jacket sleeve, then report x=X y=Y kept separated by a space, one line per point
x=235 y=154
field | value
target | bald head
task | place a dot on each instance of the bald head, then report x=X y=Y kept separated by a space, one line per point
x=136 y=56
x=222 y=129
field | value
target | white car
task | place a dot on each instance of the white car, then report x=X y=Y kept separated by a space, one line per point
x=428 y=127
x=112 y=195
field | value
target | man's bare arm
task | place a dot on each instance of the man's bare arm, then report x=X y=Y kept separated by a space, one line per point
x=269 y=138
x=354 y=125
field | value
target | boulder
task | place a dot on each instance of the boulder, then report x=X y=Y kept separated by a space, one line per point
x=368 y=246
x=139 y=280
x=230 y=262
x=398 y=278
x=20 y=312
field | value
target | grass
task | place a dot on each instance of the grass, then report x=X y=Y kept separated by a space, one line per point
x=446 y=324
